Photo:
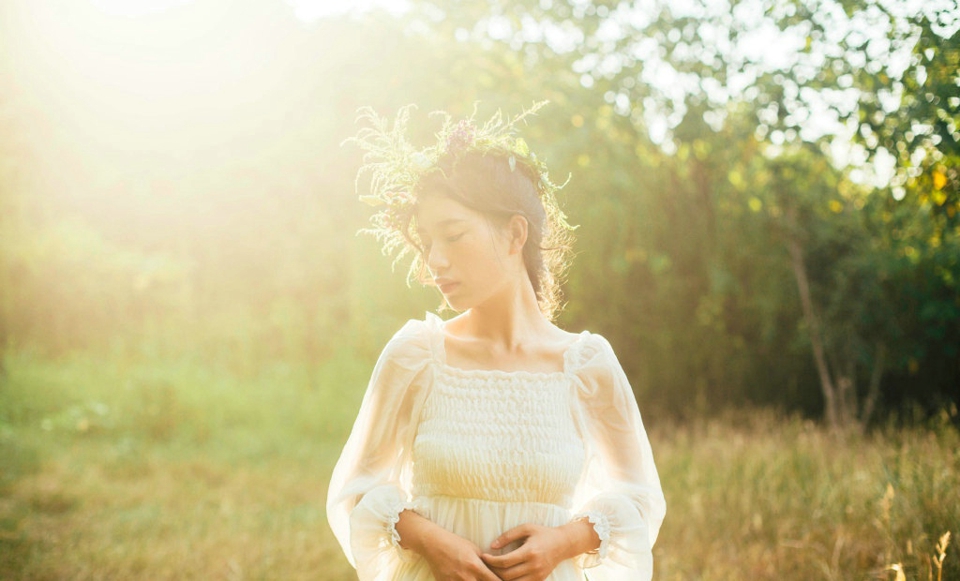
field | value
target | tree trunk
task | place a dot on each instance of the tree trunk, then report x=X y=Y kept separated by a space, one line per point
x=813 y=326
x=846 y=382
x=875 y=376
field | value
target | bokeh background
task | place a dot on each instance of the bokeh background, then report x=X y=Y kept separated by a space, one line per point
x=767 y=194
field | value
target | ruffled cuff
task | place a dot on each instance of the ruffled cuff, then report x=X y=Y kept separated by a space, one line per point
x=624 y=540
x=374 y=539
x=602 y=527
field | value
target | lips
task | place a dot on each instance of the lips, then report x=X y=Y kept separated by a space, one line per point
x=446 y=285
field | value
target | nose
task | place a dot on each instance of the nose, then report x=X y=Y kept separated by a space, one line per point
x=436 y=260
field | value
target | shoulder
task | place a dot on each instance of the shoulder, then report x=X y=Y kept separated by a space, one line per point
x=597 y=370
x=416 y=339
x=403 y=365
x=590 y=349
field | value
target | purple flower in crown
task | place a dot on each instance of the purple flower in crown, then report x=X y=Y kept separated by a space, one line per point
x=461 y=137
x=400 y=199
x=392 y=218
x=397 y=204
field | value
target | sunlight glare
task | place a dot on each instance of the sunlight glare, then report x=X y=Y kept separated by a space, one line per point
x=310 y=11
x=148 y=94
x=136 y=7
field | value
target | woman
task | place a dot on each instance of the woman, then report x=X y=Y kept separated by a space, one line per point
x=492 y=446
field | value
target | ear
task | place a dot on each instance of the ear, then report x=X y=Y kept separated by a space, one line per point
x=517 y=232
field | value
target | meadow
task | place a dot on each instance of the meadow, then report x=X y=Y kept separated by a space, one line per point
x=121 y=467
x=767 y=202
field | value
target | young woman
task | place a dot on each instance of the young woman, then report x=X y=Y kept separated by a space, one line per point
x=494 y=445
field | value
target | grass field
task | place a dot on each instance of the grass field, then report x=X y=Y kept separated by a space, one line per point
x=133 y=468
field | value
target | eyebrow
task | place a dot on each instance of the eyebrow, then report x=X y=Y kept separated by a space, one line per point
x=444 y=223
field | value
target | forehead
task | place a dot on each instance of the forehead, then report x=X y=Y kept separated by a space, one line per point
x=435 y=212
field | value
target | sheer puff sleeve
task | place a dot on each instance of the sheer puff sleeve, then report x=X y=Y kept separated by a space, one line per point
x=370 y=483
x=620 y=492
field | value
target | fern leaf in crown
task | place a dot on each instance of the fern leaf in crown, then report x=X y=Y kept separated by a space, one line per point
x=394 y=167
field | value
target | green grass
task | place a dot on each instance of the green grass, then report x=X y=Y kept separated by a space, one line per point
x=136 y=468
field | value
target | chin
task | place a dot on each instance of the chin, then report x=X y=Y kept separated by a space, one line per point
x=457 y=303
x=454 y=305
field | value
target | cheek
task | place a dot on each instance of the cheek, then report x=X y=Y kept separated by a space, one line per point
x=475 y=256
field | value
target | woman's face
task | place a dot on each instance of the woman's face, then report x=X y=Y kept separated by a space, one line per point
x=469 y=258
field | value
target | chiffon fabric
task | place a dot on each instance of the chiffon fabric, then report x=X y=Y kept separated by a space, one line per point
x=481 y=451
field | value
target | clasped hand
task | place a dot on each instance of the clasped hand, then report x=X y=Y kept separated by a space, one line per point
x=454 y=558
x=542 y=550
x=457 y=559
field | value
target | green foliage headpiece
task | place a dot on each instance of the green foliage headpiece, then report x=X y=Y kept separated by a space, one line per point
x=395 y=167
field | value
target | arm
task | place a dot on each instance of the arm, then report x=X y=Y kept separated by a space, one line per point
x=368 y=487
x=621 y=492
x=449 y=556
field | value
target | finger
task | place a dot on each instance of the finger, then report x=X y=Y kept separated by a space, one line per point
x=488 y=575
x=508 y=568
x=499 y=562
x=516 y=572
x=514 y=534
x=506 y=560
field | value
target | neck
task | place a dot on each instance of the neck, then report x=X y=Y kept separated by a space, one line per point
x=510 y=318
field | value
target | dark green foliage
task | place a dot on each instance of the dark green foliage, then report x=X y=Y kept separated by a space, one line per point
x=224 y=231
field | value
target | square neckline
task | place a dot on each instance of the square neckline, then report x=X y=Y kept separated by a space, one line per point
x=440 y=357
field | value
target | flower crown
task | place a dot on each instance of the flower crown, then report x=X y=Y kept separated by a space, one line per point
x=396 y=167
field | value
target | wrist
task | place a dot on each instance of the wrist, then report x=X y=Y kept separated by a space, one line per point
x=581 y=537
x=419 y=534
x=410 y=528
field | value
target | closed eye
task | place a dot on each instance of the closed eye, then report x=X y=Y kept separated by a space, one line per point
x=455 y=237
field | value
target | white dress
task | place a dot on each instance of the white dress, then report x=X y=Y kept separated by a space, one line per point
x=480 y=451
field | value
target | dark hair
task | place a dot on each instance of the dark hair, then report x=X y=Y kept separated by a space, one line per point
x=490 y=184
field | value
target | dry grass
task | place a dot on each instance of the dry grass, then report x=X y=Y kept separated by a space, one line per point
x=774 y=498
x=147 y=470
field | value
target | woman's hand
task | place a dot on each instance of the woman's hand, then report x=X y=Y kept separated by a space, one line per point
x=542 y=550
x=454 y=558
x=450 y=556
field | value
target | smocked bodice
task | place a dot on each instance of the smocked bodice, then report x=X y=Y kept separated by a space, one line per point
x=500 y=436
x=481 y=452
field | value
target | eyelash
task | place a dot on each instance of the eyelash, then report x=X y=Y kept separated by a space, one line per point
x=449 y=239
